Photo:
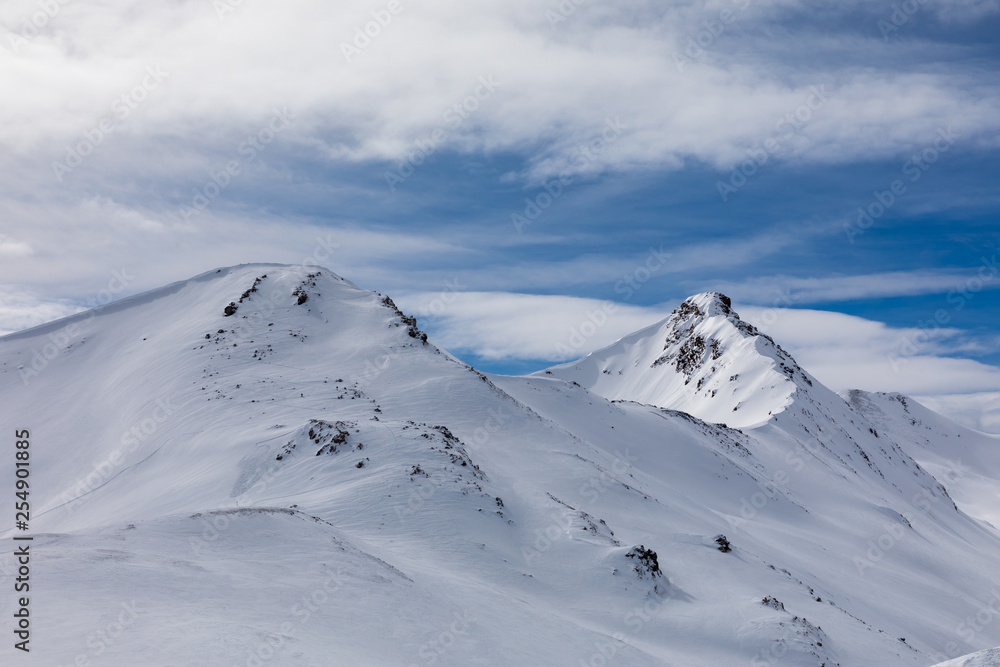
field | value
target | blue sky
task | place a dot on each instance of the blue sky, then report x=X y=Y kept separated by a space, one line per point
x=642 y=109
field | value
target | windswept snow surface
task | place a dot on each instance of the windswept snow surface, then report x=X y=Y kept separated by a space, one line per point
x=309 y=481
x=987 y=658
x=965 y=460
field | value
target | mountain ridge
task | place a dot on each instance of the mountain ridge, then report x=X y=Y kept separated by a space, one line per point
x=183 y=453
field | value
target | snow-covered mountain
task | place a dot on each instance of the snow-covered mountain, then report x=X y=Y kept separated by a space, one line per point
x=703 y=359
x=268 y=465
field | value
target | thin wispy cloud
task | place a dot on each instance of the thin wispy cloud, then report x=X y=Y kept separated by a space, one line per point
x=795 y=290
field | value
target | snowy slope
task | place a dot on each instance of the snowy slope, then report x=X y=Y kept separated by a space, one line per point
x=965 y=460
x=308 y=481
x=987 y=658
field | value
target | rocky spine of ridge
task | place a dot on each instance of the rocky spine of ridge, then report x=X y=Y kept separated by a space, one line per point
x=689 y=350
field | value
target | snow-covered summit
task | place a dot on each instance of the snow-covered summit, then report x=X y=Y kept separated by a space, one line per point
x=711 y=303
x=702 y=359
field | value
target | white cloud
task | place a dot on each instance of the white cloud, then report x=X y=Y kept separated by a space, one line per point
x=790 y=290
x=501 y=325
x=20 y=309
x=966 y=11
x=76 y=261
x=848 y=352
x=605 y=269
x=980 y=411
x=9 y=246
x=558 y=84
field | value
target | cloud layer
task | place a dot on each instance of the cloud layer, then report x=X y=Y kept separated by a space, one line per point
x=557 y=82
